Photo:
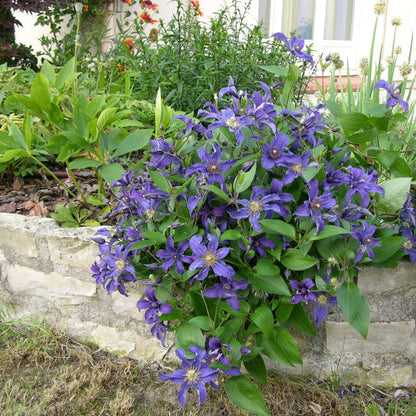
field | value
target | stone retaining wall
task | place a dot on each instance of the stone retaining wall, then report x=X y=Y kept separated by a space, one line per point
x=46 y=270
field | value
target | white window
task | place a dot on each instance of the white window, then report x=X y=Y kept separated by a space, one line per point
x=331 y=25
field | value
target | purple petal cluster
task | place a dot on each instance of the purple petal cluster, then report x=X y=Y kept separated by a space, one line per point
x=303 y=291
x=323 y=302
x=174 y=256
x=295 y=46
x=394 y=95
x=227 y=290
x=364 y=235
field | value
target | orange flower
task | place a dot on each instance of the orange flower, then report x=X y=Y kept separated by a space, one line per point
x=195 y=4
x=120 y=67
x=153 y=34
x=129 y=42
x=85 y=7
x=145 y=16
x=147 y=4
x=128 y=2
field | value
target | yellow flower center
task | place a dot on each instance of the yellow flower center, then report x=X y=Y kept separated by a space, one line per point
x=297 y=168
x=408 y=245
x=120 y=264
x=255 y=207
x=210 y=259
x=232 y=122
x=192 y=375
x=322 y=299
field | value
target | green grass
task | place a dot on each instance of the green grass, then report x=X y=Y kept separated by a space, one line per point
x=44 y=372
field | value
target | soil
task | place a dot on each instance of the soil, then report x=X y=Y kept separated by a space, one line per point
x=38 y=195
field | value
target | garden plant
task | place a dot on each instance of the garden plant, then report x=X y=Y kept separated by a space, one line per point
x=235 y=211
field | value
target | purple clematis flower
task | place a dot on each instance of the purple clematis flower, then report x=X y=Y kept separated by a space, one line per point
x=194 y=373
x=154 y=308
x=320 y=311
x=303 y=291
x=216 y=352
x=408 y=212
x=227 y=290
x=209 y=257
x=295 y=46
x=258 y=243
x=174 y=256
x=211 y=166
x=314 y=206
x=364 y=235
x=394 y=94
x=159 y=330
x=362 y=182
x=274 y=153
x=164 y=154
x=259 y=202
x=409 y=246
x=296 y=166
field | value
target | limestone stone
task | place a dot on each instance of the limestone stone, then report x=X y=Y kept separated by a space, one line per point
x=383 y=337
x=24 y=281
x=374 y=280
x=18 y=235
x=126 y=305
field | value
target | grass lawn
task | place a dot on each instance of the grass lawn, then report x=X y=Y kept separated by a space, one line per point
x=43 y=372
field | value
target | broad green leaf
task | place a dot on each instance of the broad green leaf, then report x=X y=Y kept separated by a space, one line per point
x=185 y=232
x=280 y=347
x=158 y=112
x=389 y=246
x=386 y=159
x=155 y=236
x=283 y=311
x=160 y=181
x=202 y=322
x=361 y=320
x=65 y=76
x=49 y=72
x=83 y=163
x=27 y=131
x=363 y=136
x=264 y=319
x=17 y=135
x=396 y=191
x=257 y=369
x=187 y=335
x=112 y=172
x=352 y=122
x=349 y=299
x=400 y=168
x=275 y=69
x=245 y=394
x=328 y=231
x=293 y=259
x=299 y=320
x=271 y=284
x=105 y=117
x=217 y=191
x=39 y=92
x=293 y=73
x=134 y=141
x=244 y=179
x=278 y=227
x=11 y=154
x=265 y=267
x=230 y=235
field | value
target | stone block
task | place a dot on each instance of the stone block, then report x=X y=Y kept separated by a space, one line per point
x=126 y=306
x=383 y=337
x=372 y=280
x=24 y=281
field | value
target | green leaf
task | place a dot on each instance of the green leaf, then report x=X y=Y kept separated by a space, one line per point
x=386 y=159
x=17 y=136
x=134 y=141
x=257 y=369
x=293 y=73
x=278 y=227
x=280 y=347
x=65 y=76
x=351 y=122
x=39 y=92
x=244 y=179
x=361 y=320
x=349 y=299
x=275 y=69
x=187 y=335
x=154 y=236
x=185 y=232
x=396 y=191
x=400 y=168
x=299 y=320
x=160 y=181
x=48 y=71
x=83 y=163
x=263 y=318
x=363 y=136
x=11 y=154
x=202 y=322
x=265 y=267
x=105 y=117
x=245 y=394
x=112 y=172
x=389 y=246
x=271 y=284
x=217 y=191
x=293 y=259
x=158 y=112
x=230 y=235
x=328 y=231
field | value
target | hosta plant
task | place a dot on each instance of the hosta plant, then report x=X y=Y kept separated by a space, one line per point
x=236 y=220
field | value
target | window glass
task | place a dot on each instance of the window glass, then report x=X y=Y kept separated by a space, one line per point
x=299 y=15
x=338 y=19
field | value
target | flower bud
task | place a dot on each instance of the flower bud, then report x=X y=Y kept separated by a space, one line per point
x=396 y=21
x=247 y=166
x=380 y=7
x=405 y=69
x=78 y=7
